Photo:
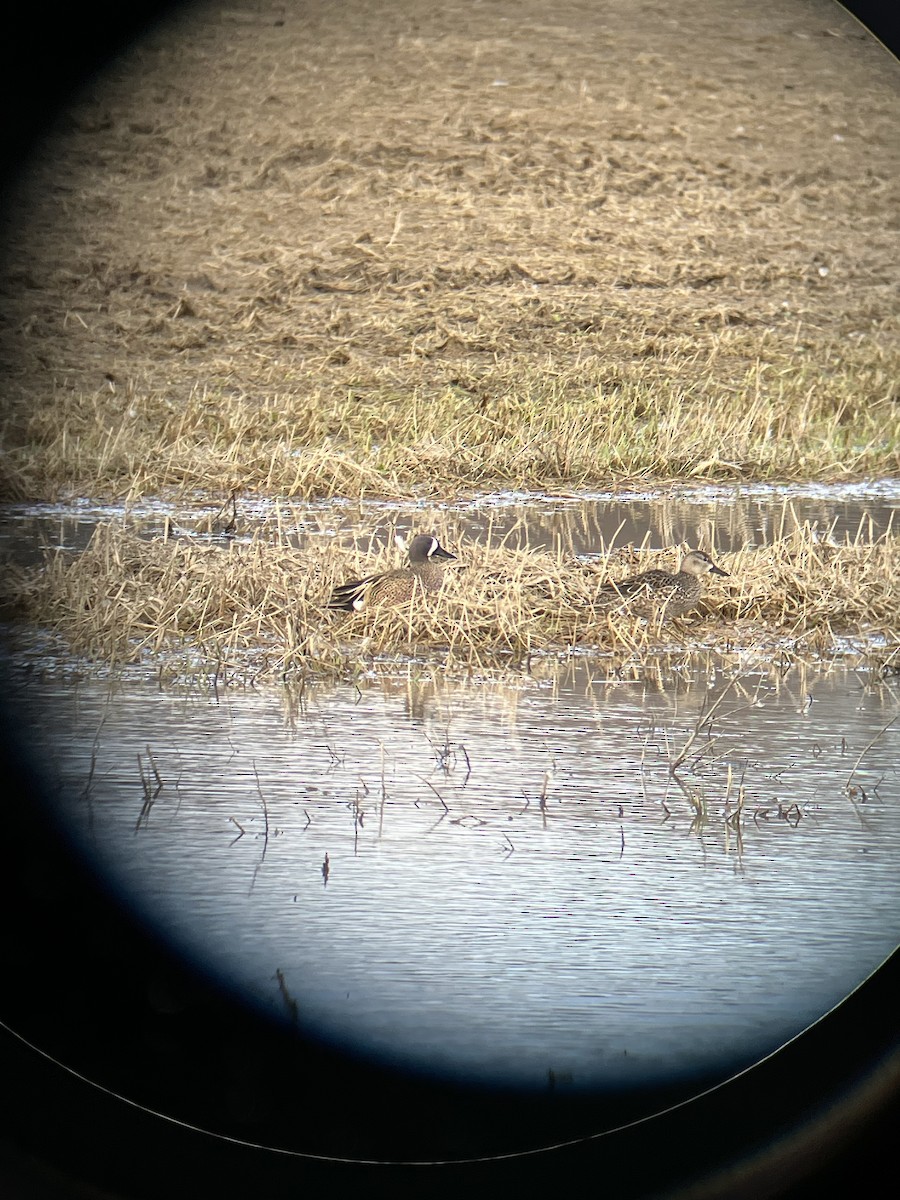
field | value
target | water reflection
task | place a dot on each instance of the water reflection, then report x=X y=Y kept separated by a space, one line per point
x=721 y=518
x=503 y=880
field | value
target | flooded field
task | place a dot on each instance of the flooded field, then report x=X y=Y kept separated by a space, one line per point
x=584 y=875
x=499 y=882
x=280 y=263
x=727 y=517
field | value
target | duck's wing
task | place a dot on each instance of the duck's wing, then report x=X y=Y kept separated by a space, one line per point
x=350 y=596
x=637 y=585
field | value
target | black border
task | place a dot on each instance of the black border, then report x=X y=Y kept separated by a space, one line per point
x=820 y=1117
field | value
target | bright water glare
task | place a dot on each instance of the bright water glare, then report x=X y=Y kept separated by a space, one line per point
x=722 y=518
x=505 y=882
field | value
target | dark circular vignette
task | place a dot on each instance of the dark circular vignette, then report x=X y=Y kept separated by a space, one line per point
x=87 y=989
x=50 y=54
x=99 y=1001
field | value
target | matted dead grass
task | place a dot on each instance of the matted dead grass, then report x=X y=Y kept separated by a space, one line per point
x=396 y=249
x=257 y=608
x=529 y=429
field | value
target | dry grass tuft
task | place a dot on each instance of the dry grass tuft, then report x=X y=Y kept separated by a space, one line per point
x=507 y=253
x=258 y=607
x=523 y=426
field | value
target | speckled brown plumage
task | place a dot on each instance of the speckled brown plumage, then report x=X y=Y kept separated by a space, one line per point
x=425 y=573
x=665 y=592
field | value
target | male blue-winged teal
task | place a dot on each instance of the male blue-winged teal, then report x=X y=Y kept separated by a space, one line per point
x=661 y=592
x=424 y=573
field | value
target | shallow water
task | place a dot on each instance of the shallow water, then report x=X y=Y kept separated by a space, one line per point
x=517 y=888
x=722 y=518
x=501 y=880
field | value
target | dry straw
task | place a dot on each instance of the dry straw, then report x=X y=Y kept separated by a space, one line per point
x=258 y=606
x=297 y=287
x=521 y=425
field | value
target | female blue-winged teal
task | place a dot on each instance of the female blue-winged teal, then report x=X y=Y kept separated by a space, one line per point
x=424 y=573
x=661 y=591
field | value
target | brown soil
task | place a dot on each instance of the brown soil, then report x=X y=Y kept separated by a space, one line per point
x=265 y=198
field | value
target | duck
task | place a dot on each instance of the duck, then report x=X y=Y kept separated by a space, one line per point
x=425 y=573
x=665 y=592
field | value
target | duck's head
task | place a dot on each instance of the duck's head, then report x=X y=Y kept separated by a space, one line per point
x=425 y=547
x=698 y=562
